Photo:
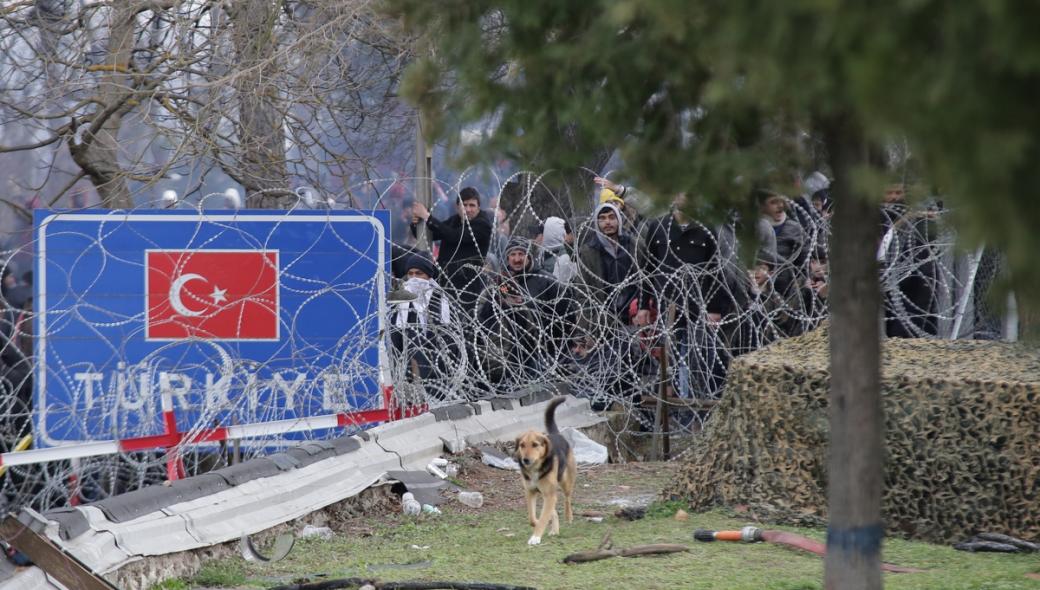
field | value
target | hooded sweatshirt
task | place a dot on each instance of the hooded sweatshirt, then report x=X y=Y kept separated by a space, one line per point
x=554 y=233
x=607 y=263
x=557 y=260
x=610 y=246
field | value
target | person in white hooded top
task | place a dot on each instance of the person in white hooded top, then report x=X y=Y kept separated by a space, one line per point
x=556 y=243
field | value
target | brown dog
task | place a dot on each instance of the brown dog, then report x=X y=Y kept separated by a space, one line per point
x=547 y=466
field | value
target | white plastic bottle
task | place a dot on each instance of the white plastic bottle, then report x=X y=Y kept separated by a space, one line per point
x=409 y=505
x=472 y=499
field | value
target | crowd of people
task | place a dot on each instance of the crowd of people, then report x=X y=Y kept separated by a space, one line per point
x=615 y=303
x=602 y=302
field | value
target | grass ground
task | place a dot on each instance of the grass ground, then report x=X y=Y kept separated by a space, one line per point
x=489 y=545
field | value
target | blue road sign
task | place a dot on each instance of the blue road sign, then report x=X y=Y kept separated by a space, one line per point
x=238 y=317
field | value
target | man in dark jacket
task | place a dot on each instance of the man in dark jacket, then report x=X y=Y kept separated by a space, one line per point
x=607 y=280
x=679 y=258
x=464 y=240
x=530 y=312
x=909 y=271
x=605 y=263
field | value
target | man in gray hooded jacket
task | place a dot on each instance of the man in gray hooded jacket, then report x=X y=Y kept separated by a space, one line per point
x=606 y=278
x=605 y=262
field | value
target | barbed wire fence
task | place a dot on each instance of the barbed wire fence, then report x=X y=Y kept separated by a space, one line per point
x=575 y=336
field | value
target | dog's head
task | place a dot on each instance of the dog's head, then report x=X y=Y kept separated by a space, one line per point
x=532 y=448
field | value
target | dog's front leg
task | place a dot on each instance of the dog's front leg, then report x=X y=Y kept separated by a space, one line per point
x=548 y=510
x=532 y=498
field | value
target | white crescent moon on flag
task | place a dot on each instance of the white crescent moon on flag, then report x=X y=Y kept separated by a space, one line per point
x=175 y=295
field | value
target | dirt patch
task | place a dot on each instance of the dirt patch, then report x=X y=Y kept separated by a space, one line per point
x=598 y=485
x=602 y=487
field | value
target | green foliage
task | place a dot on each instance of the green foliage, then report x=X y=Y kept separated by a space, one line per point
x=713 y=97
x=491 y=547
x=175 y=584
x=665 y=508
x=225 y=573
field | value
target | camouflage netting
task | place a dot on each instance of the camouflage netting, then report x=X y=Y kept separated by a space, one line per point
x=962 y=422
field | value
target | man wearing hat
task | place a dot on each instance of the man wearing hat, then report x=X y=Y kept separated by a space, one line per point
x=612 y=192
x=530 y=313
x=423 y=330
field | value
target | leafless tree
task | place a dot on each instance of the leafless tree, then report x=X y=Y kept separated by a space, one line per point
x=132 y=95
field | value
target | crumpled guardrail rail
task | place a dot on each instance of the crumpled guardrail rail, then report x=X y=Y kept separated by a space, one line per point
x=258 y=494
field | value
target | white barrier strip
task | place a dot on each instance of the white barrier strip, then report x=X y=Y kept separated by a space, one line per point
x=281 y=426
x=105 y=447
x=109 y=447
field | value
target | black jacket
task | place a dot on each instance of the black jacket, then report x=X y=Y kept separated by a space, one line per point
x=550 y=305
x=601 y=274
x=464 y=245
x=462 y=242
x=663 y=252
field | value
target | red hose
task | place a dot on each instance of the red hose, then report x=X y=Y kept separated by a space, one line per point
x=813 y=546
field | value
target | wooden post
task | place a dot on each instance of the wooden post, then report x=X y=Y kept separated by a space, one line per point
x=423 y=179
x=662 y=424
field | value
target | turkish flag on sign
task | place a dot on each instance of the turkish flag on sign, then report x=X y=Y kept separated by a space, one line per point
x=212 y=294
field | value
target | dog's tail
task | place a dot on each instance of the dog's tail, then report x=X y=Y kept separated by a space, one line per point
x=550 y=415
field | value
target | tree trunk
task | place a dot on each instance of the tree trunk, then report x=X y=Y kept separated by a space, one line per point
x=855 y=470
x=261 y=135
x=97 y=150
x=567 y=195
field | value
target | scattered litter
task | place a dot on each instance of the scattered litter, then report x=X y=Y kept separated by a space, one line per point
x=427 y=488
x=471 y=499
x=16 y=557
x=585 y=485
x=635 y=500
x=631 y=512
x=592 y=513
x=409 y=505
x=439 y=462
x=322 y=532
x=283 y=544
x=496 y=458
x=748 y=534
x=504 y=529
x=586 y=450
x=681 y=515
x=596 y=519
x=428 y=509
x=452 y=470
x=421 y=547
x=436 y=471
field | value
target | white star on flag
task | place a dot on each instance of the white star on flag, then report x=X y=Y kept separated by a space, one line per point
x=218 y=295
